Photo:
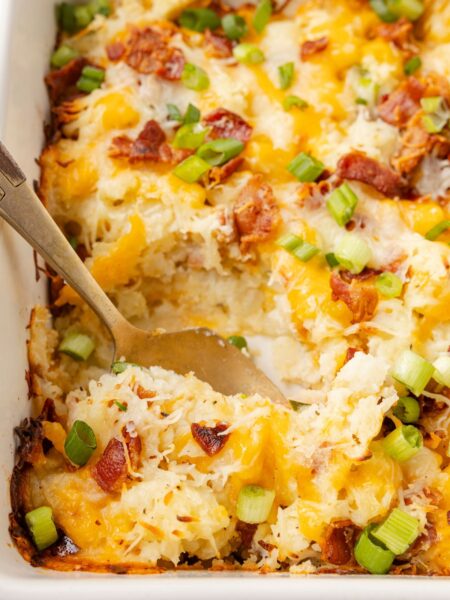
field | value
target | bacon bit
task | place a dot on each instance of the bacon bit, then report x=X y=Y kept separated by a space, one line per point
x=111 y=470
x=422 y=543
x=61 y=83
x=448 y=517
x=217 y=45
x=150 y=145
x=186 y=519
x=366 y=273
x=246 y=531
x=134 y=445
x=227 y=124
x=360 y=299
x=148 y=51
x=399 y=33
x=311 y=47
x=399 y=106
x=266 y=546
x=256 y=213
x=357 y=166
x=115 y=51
x=142 y=393
x=208 y=438
x=340 y=538
x=219 y=174
x=350 y=354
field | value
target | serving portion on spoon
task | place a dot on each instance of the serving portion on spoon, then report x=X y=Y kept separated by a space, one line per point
x=200 y=350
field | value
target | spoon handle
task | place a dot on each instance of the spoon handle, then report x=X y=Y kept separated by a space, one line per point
x=23 y=210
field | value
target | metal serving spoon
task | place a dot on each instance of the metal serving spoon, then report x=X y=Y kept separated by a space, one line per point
x=209 y=356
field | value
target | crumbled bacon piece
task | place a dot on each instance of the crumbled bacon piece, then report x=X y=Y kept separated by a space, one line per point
x=217 y=45
x=366 y=273
x=246 y=532
x=340 y=538
x=111 y=470
x=359 y=167
x=61 y=83
x=350 y=354
x=143 y=394
x=227 y=124
x=361 y=299
x=266 y=546
x=399 y=33
x=219 y=174
x=256 y=213
x=399 y=106
x=208 y=438
x=115 y=51
x=311 y=47
x=148 y=51
x=133 y=443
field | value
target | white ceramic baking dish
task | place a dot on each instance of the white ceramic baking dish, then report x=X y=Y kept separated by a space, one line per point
x=26 y=37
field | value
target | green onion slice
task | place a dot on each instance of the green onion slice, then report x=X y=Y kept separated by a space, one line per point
x=238 y=340
x=407 y=409
x=437 y=113
x=100 y=7
x=120 y=406
x=371 y=554
x=366 y=90
x=120 y=366
x=192 y=115
x=83 y=16
x=298 y=247
x=291 y=101
x=220 y=151
x=341 y=204
x=254 y=504
x=305 y=167
x=437 y=230
x=433 y=104
x=174 y=113
x=84 y=84
x=331 y=259
x=434 y=123
x=352 y=253
x=381 y=9
x=289 y=241
x=403 y=443
x=41 y=526
x=199 y=19
x=389 y=285
x=63 y=56
x=262 y=15
x=412 y=65
x=189 y=136
x=413 y=371
x=78 y=346
x=80 y=443
x=248 y=54
x=398 y=531
x=194 y=78
x=234 y=26
x=94 y=73
x=286 y=75
x=411 y=9
x=191 y=169
x=66 y=17
x=442 y=370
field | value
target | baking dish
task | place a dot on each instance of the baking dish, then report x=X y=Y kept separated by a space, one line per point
x=23 y=62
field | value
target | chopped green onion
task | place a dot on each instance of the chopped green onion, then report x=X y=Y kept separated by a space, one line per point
x=254 y=504
x=289 y=241
x=238 y=340
x=66 y=17
x=411 y=9
x=291 y=101
x=366 y=90
x=77 y=345
x=191 y=169
x=248 y=53
x=331 y=259
x=403 y=443
x=352 y=253
x=80 y=443
x=100 y=7
x=234 y=26
x=434 y=123
x=189 y=136
x=382 y=11
x=437 y=113
x=442 y=370
x=407 y=409
x=389 y=285
x=305 y=167
x=372 y=555
x=297 y=406
x=174 y=113
x=91 y=79
x=192 y=114
x=194 y=78
x=87 y=85
x=83 y=16
x=413 y=371
x=433 y=104
x=341 y=204
x=73 y=241
x=397 y=532
x=286 y=75
x=120 y=366
x=94 y=73
x=436 y=231
x=262 y=15
x=120 y=406
x=41 y=526
x=412 y=65
x=220 y=151
x=62 y=56
x=305 y=251
x=199 y=19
